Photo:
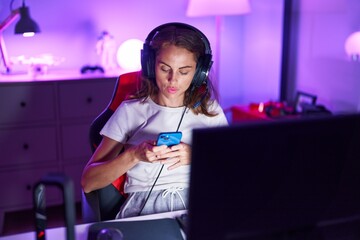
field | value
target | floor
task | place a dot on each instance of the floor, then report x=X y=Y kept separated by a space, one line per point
x=23 y=221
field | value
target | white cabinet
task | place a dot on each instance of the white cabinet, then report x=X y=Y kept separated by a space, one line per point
x=18 y=184
x=44 y=127
x=83 y=99
x=23 y=103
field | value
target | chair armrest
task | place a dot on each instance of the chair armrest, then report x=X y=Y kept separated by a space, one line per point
x=90 y=207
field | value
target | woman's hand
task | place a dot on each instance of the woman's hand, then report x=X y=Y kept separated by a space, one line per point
x=175 y=156
x=148 y=152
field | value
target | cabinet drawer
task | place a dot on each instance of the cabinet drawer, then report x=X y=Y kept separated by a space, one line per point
x=28 y=146
x=84 y=99
x=16 y=187
x=76 y=143
x=25 y=103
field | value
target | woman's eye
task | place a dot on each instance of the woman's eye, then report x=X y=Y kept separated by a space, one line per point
x=184 y=73
x=164 y=69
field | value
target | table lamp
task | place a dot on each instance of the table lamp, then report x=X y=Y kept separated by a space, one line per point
x=25 y=26
x=217 y=8
x=352 y=46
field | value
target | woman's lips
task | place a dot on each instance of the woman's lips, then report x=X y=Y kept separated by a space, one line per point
x=172 y=90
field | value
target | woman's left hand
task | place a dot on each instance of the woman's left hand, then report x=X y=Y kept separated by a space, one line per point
x=176 y=156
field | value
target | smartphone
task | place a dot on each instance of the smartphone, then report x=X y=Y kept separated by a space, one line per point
x=169 y=138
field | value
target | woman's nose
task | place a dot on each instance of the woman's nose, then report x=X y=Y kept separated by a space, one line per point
x=171 y=77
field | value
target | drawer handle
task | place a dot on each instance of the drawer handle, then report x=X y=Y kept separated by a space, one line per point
x=89 y=100
x=26 y=146
x=23 y=104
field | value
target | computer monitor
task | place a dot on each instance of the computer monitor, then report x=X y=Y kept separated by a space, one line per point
x=281 y=179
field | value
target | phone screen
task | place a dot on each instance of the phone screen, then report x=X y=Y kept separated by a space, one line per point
x=169 y=138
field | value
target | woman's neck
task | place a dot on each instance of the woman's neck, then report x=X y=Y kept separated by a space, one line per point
x=167 y=102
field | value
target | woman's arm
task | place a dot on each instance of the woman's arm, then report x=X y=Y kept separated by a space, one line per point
x=106 y=164
x=103 y=167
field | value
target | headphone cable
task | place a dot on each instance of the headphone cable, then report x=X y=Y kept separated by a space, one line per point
x=162 y=166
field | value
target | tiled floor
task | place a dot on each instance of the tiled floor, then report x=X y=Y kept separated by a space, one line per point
x=23 y=221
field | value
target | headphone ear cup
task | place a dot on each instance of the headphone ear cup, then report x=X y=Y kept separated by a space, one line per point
x=148 y=62
x=203 y=67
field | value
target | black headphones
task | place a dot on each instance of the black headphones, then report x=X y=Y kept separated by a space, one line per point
x=203 y=65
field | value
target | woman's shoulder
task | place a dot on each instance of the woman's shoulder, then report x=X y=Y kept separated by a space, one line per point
x=136 y=105
x=219 y=118
x=134 y=102
x=131 y=101
x=215 y=106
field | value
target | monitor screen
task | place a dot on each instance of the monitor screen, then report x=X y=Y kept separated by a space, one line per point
x=267 y=180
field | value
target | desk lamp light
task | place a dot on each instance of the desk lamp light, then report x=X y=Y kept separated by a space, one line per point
x=25 y=26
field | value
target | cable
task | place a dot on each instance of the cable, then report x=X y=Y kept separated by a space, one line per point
x=147 y=197
x=162 y=166
x=182 y=116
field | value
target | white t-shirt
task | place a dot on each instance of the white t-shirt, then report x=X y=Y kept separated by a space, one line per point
x=134 y=122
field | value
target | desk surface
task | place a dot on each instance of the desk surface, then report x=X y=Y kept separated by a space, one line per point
x=81 y=231
x=57 y=75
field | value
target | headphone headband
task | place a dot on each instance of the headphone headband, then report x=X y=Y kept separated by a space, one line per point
x=179 y=25
x=203 y=65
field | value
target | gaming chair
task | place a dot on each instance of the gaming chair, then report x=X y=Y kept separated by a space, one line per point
x=103 y=204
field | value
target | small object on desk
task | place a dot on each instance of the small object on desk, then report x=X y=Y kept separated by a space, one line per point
x=91 y=69
x=106 y=48
x=155 y=229
x=37 y=65
x=110 y=234
x=277 y=109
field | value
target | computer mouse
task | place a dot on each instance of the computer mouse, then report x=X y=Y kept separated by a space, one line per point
x=110 y=234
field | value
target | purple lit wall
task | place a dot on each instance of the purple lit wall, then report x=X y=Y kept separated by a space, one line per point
x=323 y=68
x=250 y=44
x=257 y=64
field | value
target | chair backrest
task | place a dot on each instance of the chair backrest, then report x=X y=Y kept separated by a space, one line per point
x=103 y=204
x=126 y=84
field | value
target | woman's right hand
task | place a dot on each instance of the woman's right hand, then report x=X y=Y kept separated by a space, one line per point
x=148 y=152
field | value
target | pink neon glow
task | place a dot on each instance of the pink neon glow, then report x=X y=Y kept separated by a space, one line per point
x=128 y=55
x=352 y=45
x=198 y=8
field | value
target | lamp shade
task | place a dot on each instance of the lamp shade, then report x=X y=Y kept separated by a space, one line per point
x=197 y=8
x=26 y=24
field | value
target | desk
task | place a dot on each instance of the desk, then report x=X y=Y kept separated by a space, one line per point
x=81 y=231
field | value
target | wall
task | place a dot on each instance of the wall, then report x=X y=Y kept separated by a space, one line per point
x=322 y=66
x=70 y=29
x=260 y=55
x=250 y=44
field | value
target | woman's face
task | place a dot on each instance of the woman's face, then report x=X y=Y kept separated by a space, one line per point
x=174 y=70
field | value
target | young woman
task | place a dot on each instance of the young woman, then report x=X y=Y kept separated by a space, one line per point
x=175 y=95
